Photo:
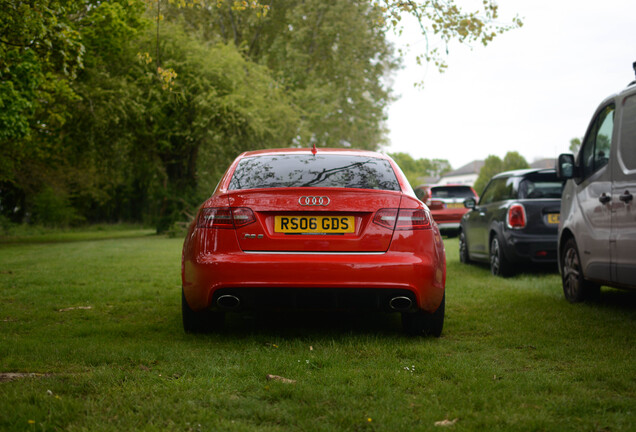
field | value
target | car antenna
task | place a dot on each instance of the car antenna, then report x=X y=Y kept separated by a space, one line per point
x=633 y=82
x=314 y=150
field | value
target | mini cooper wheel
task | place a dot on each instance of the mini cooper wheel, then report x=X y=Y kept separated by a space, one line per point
x=499 y=264
x=202 y=321
x=463 y=248
x=575 y=288
x=422 y=323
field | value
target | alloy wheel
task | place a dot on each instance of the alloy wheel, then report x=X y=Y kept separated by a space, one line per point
x=495 y=257
x=571 y=274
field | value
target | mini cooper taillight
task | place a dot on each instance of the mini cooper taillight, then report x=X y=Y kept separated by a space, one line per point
x=225 y=217
x=516 y=216
x=404 y=219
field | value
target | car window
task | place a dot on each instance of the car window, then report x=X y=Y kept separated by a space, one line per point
x=452 y=192
x=628 y=133
x=302 y=170
x=498 y=189
x=540 y=188
x=597 y=144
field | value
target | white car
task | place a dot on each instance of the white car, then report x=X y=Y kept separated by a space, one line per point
x=597 y=230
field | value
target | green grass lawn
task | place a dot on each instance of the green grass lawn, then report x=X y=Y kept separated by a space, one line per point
x=98 y=321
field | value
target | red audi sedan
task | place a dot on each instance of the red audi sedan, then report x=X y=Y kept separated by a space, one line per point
x=326 y=229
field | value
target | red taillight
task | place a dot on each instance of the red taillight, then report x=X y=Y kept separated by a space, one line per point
x=225 y=217
x=516 y=216
x=218 y=217
x=405 y=219
x=242 y=216
x=386 y=218
x=413 y=219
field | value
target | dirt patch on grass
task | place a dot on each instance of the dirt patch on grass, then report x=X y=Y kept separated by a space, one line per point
x=12 y=376
x=75 y=308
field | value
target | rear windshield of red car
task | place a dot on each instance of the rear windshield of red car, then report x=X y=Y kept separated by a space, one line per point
x=302 y=170
x=452 y=192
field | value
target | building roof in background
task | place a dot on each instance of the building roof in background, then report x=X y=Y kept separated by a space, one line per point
x=427 y=180
x=470 y=168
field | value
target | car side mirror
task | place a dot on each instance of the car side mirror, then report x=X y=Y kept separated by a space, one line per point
x=566 y=168
x=470 y=203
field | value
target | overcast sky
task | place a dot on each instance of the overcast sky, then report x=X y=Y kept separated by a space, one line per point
x=531 y=90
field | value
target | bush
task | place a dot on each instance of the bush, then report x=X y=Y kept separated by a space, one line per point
x=53 y=209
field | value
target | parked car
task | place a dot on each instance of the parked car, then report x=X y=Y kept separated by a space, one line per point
x=327 y=229
x=597 y=233
x=516 y=221
x=446 y=203
x=423 y=192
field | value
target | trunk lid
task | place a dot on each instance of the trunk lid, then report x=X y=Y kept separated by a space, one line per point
x=314 y=219
x=542 y=215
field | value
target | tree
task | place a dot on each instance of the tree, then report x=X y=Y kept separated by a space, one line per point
x=105 y=117
x=441 y=22
x=330 y=56
x=494 y=165
x=40 y=55
x=416 y=168
x=445 y=21
x=575 y=145
x=220 y=106
x=513 y=160
x=157 y=152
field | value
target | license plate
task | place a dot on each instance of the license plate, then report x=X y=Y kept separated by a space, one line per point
x=455 y=205
x=553 y=218
x=314 y=224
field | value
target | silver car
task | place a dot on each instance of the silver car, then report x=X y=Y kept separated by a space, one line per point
x=597 y=229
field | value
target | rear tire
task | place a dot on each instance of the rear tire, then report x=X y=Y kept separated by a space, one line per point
x=499 y=264
x=575 y=288
x=422 y=323
x=463 y=248
x=201 y=321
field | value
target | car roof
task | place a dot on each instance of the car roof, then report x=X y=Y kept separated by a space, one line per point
x=630 y=89
x=524 y=172
x=319 y=151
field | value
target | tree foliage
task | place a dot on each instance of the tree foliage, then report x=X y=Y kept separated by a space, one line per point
x=444 y=21
x=41 y=54
x=415 y=169
x=330 y=56
x=494 y=165
x=131 y=109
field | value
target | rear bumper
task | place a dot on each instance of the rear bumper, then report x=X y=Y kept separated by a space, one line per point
x=520 y=247
x=382 y=299
x=351 y=280
x=447 y=216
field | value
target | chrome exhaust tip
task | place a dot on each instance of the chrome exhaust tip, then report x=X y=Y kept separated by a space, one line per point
x=228 y=302
x=400 y=303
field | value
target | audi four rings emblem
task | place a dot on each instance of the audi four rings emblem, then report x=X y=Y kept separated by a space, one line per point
x=314 y=201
